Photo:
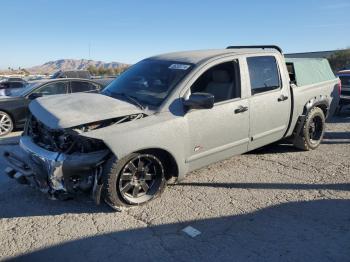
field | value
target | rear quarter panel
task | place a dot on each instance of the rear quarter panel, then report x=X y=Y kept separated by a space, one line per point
x=302 y=95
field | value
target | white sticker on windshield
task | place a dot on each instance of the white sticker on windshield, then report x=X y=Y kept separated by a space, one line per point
x=179 y=66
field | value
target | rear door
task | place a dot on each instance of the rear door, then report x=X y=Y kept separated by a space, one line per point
x=270 y=102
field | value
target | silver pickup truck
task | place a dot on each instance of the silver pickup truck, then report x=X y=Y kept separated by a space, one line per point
x=169 y=115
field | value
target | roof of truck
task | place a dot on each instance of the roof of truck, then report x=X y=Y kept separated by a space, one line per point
x=197 y=56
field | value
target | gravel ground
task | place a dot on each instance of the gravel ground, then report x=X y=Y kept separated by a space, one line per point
x=273 y=204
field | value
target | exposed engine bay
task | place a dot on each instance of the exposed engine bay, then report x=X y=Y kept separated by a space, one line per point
x=69 y=141
x=62 y=162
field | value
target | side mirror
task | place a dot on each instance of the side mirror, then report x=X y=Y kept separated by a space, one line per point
x=34 y=96
x=200 y=101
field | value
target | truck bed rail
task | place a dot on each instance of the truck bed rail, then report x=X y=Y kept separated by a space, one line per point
x=256 y=46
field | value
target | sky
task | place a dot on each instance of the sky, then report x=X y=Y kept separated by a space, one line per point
x=33 y=32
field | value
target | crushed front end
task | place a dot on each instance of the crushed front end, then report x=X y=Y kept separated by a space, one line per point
x=60 y=162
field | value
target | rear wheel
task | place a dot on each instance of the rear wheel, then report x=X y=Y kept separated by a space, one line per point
x=313 y=130
x=133 y=180
x=6 y=124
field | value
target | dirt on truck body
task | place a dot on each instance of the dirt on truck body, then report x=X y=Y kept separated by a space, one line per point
x=168 y=115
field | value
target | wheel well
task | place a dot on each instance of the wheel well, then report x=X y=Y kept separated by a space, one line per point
x=322 y=104
x=324 y=108
x=301 y=119
x=169 y=162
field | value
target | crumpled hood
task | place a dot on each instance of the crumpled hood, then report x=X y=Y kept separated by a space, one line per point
x=65 y=111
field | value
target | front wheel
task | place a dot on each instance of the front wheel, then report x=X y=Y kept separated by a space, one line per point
x=313 y=130
x=6 y=124
x=133 y=180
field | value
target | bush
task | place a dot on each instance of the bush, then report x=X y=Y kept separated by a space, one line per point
x=101 y=71
x=340 y=60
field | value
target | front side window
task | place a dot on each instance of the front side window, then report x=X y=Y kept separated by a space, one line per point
x=53 y=89
x=149 y=81
x=263 y=73
x=81 y=86
x=222 y=81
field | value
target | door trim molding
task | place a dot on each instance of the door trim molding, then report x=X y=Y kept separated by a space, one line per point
x=217 y=150
x=272 y=131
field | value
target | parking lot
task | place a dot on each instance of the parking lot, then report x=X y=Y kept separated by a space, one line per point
x=273 y=204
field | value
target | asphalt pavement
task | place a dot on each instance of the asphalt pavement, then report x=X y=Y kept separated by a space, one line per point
x=273 y=204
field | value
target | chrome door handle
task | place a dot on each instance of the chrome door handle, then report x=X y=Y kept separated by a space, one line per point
x=241 y=109
x=282 y=98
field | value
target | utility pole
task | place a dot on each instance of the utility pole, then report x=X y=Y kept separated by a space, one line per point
x=89 y=50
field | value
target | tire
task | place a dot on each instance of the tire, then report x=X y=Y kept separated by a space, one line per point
x=312 y=131
x=133 y=180
x=6 y=124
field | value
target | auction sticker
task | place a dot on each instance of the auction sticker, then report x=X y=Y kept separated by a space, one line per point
x=179 y=66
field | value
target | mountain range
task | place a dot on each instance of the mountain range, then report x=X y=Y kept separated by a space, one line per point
x=71 y=64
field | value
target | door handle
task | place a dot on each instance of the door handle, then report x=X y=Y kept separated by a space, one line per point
x=282 y=98
x=241 y=109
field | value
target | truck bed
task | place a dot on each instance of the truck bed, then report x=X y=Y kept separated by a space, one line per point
x=312 y=79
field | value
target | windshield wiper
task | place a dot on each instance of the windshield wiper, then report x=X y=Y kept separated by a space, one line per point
x=133 y=99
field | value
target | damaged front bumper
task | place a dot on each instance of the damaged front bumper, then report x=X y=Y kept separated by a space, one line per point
x=61 y=175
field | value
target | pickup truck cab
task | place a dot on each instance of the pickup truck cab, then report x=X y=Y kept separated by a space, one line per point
x=169 y=115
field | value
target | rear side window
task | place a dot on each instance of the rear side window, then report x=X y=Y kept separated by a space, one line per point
x=78 y=86
x=263 y=73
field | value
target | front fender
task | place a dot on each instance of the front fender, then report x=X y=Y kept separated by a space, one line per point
x=162 y=131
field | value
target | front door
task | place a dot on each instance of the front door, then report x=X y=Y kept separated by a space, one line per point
x=221 y=131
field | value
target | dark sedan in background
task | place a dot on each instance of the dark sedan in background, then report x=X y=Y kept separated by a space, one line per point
x=344 y=76
x=14 y=106
x=12 y=82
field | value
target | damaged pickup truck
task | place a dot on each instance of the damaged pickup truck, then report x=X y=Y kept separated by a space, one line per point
x=168 y=115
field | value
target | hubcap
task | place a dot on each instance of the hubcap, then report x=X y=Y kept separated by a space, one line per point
x=141 y=179
x=315 y=129
x=5 y=124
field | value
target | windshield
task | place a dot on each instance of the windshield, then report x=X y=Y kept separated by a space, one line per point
x=149 y=81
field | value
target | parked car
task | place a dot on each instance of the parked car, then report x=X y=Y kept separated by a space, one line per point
x=344 y=76
x=14 y=107
x=11 y=83
x=168 y=115
x=72 y=74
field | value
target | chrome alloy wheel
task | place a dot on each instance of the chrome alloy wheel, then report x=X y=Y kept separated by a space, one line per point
x=141 y=179
x=6 y=124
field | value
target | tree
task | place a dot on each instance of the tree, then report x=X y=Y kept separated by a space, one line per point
x=92 y=69
x=25 y=72
x=340 y=60
x=101 y=71
x=119 y=70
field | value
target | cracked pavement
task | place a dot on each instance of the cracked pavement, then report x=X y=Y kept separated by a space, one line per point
x=273 y=204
